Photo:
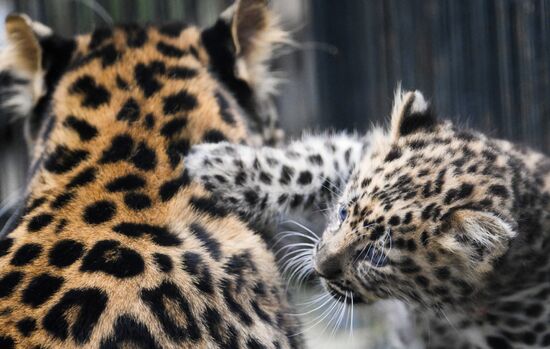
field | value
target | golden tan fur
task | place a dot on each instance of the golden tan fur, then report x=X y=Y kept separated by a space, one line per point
x=177 y=214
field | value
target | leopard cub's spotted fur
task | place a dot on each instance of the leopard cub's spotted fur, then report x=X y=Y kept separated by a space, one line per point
x=452 y=222
x=115 y=246
x=261 y=183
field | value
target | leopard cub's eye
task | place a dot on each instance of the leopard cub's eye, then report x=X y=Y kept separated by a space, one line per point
x=343 y=213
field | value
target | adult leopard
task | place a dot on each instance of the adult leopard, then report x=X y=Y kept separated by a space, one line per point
x=117 y=247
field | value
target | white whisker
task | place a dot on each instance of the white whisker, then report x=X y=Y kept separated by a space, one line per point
x=368 y=251
x=325 y=313
x=341 y=314
x=296 y=266
x=296 y=271
x=449 y=321
x=303 y=227
x=289 y=253
x=330 y=190
x=381 y=254
x=298 y=244
x=295 y=233
x=334 y=316
x=361 y=252
x=290 y=256
x=287 y=234
x=325 y=301
x=295 y=255
x=321 y=296
x=351 y=319
x=306 y=271
x=335 y=313
x=339 y=193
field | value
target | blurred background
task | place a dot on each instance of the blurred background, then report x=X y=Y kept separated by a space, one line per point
x=485 y=63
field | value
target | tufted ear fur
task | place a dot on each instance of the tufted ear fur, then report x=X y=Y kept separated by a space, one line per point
x=479 y=237
x=21 y=74
x=240 y=45
x=30 y=67
x=410 y=113
x=26 y=49
x=255 y=31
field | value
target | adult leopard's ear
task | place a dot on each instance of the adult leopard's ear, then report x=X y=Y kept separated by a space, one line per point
x=410 y=113
x=21 y=74
x=477 y=237
x=27 y=54
x=255 y=33
x=30 y=66
x=240 y=45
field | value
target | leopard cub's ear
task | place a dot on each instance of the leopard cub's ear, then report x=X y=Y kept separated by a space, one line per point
x=410 y=113
x=478 y=237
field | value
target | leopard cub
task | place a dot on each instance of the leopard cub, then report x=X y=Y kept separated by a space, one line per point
x=452 y=222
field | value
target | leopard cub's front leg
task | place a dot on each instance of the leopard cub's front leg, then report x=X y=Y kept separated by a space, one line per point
x=260 y=183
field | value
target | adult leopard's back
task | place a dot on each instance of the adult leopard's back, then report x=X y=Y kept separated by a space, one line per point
x=117 y=247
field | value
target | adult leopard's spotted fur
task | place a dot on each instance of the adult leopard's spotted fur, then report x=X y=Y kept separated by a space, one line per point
x=452 y=222
x=117 y=247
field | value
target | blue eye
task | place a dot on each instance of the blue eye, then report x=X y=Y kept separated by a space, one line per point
x=343 y=213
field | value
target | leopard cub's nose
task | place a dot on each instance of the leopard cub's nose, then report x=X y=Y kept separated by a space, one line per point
x=328 y=266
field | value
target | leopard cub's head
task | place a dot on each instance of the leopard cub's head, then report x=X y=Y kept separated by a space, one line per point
x=425 y=216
